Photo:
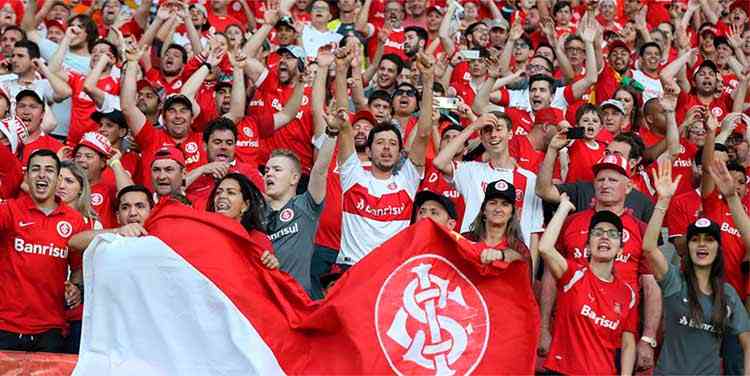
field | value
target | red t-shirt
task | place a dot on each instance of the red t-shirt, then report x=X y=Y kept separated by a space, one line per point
x=394 y=44
x=733 y=249
x=82 y=106
x=683 y=210
x=295 y=136
x=435 y=181
x=151 y=139
x=591 y=316
x=172 y=86
x=220 y=23
x=103 y=196
x=11 y=174
x=521 y=149
x=34 y=264
x=43 y=142
x=682 y=165
x=251 y=131
x=629 y=264
x=583 y=157
x=720 y=106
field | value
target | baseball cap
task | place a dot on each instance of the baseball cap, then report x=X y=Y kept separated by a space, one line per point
x=708 y=28
x=500 y=23
x=425 y=196
x=96 y=142
x=54 y=23
x=614 y=103
x=436 y=8
x=175 y=99
x=706 y=64
x=548 y=115
x=704 y=226
x=612 y=162
x=285 y=21
x=606 y=216
x=364 y=115
x=29 y=93
x=295 y=51
x=116 y=116
x=200 y=8
x=169 y=152
x=500 y=189
x=222 y=84
x=618 y=43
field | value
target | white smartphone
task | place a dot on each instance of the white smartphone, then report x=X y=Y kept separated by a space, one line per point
x=449 y=103
x=470 y=54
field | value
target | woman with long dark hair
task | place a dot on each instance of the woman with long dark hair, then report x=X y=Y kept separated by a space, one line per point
x=496 y=228
x=699 y=307
x=236 y=197
x=632 y=102
x=596 y=311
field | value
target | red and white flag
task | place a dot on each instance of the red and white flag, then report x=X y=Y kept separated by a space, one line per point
x=193 y=299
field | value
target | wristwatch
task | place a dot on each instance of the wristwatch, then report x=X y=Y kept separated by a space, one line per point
x=651 y=341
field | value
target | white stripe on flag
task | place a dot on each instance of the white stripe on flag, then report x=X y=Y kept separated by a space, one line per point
x=149 y=312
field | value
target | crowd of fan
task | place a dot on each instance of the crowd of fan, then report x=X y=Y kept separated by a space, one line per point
x=561 y=134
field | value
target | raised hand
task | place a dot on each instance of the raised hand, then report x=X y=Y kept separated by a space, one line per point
x=134 y=53
x=663 y=183
x=493 y=67
x=237 y=60
x=565 y=203
x=325 y=57
x=425 y=64
x=723 y=179
x=516 y=30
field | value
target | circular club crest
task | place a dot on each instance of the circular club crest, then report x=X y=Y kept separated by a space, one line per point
x=625 y=235
x=191 y=147
x=430 y=318
x=501 y=185
x=702 y=223
x=236 y=6
x=392 y=186
x=96 y=199
x=717 y=111
x=433 y=177
x=286 y=215
x=247 y=131
x=64 y=228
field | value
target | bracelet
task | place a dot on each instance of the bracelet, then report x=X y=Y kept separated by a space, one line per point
x=657 y=207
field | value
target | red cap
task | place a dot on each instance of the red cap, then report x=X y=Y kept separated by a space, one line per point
x=740 y=4
x=548 y=115
x=170 y=152
x=364 y=115
x=613 y=162
x=54 y=23
x=146 y=83
x=96 y=142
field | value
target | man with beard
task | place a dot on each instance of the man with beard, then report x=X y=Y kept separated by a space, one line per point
x=30 y=109
x=148 y=100
x=10 y=36
x=378 y=202
x=34 y=233
x=171 y=72
x=220 y=140
x=278 y=86
x=415 y=39
x=405 y=103
x=104 y=56
x=84 y=32
x=702 y=91
x=177 y=114
x=416 y=14
x=394 y=16
x=616 y=67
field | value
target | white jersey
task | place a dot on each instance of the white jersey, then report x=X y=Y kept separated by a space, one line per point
x=471 y=179
x=652 y=85
x=373 y=210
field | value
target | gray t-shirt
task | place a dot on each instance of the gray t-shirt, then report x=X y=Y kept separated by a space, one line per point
x=581 y=195
x=692 y=348
x=292 y=232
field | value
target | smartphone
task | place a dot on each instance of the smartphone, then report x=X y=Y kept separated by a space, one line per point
x=576 y=133
x=449 y=103
x=470 y=54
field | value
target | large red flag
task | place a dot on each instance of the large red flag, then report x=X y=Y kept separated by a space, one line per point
x=420 y=303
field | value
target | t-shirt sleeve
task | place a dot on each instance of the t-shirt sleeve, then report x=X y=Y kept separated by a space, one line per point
x=6 y=216
x=309 y=205
x=409 y=176
x=671 y=283
x=351 y=172
x=146 y=136
x=573 y=273
x=76 y=62
x=738 y=321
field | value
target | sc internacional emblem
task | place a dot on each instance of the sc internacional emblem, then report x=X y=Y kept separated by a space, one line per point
x=431 y=319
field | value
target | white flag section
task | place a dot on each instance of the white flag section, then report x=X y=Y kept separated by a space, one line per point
x=150 y=312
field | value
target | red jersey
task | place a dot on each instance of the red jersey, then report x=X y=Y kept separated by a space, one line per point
x=34 y=264
x=295 y=136
x=719 y=106
x=733 y=249
x=82 y=106
x=151 y=139
x=220 y=23
x=682 y=164
x=591 y=317
x=43 y=142
x=251 y=130
x=11 y=174
x=583 y=157
x=200 y=191
x=103 y=196
x=394 y=44
x=435 y=181
x=629 y=264
x=206 y=100
x=685 y=209
x=172 y=86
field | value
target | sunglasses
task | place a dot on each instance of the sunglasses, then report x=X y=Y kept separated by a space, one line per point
x=408 y=93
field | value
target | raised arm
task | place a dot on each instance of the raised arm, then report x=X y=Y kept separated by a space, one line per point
x=727 y=185
x=239 y=95
x=552 y=258
x=55 y=61
x=671 y=143
x=345 y=143
x=60 y=88
x=254 y=44
x=361 y=23
x=444 y=159
x=29 y=22
x=425 y=64
x=665 y=188
x=193 y=35
x=89 y=84
x=582 y=86
x=709 y=146
x=708 y=11
x=544 y=186
x=122 y=177
x=372 y=68
x=672 y=69
x=444 y=32
x=319 y=172
x=516 y=31
x=133 y=115
x=324 y=60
